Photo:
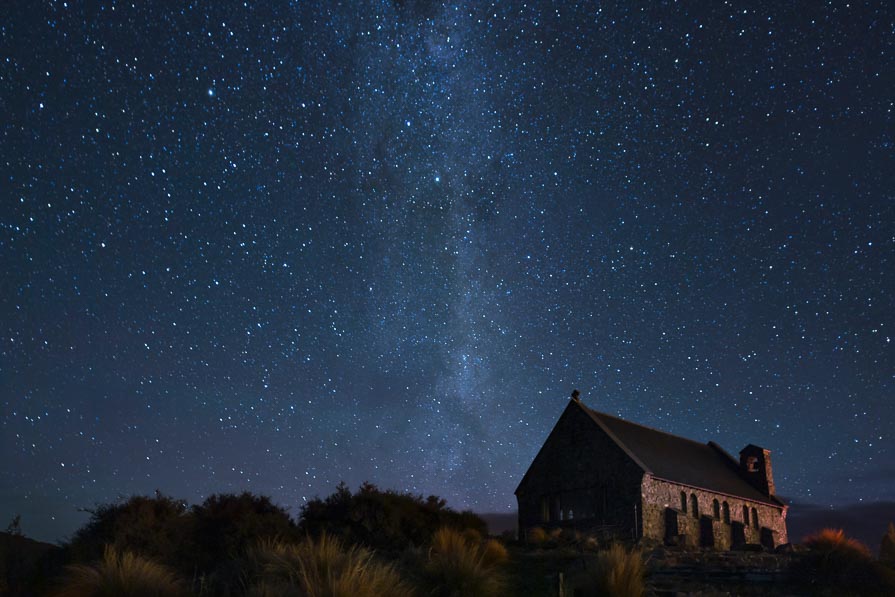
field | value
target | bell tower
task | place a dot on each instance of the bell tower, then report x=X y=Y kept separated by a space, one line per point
x=755 y=466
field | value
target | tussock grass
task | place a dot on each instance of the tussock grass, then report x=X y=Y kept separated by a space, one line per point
x=457 y=566
x=323 y=568
x=472 y=536
x=834 y=541
x=536 y=536
x=617 y=572
x=120 y=574
x=494 y=553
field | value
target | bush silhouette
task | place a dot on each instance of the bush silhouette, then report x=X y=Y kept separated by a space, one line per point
x=322 y=567
x=199 y=542
x=838 y=565
x=383 y=519
x=225 y=526
x=120 y=573
x=152 y=527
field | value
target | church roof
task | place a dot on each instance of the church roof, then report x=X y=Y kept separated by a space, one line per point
x=678 y=459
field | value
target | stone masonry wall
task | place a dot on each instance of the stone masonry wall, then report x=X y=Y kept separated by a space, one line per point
x=580 y=479
x=659 y=495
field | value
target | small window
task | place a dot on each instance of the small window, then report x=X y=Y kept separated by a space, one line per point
x=725 y=512
x=694 y=506
x=755 y=518
x=716 y=509
x=562 y=514
x=571 y=514
x=746 y=515
x=684 y=502
x=545 y=510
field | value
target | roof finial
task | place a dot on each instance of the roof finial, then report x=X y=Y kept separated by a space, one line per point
x=576 y=395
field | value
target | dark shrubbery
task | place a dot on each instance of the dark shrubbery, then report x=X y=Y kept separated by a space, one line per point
x=887 y=546
x=225 y=526
x=197 y=541
x=837 y=565
x=153 y=527
x=234 y=543
x=383 y=519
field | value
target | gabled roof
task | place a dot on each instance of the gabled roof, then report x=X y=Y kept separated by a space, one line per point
x=678 y=459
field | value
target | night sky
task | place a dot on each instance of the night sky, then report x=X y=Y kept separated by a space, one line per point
x=269 y=247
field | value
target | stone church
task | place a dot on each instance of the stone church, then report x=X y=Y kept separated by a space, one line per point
x=610 y=477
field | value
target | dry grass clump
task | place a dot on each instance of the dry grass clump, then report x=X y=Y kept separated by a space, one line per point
x=834 y=541
x=457 y=566
x=323 y=568
x=120 y=574
x=617 y=572
x=536 y=536
x=472 y=536
x=494 y=553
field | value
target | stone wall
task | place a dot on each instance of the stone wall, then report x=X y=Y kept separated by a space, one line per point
x=678 y=571
x=580 y=479
x=659 y=495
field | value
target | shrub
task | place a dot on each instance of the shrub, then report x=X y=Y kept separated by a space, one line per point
x=617 y=572
x=459 y=567
x=838 y=565
x=323 y=568
x=148 y=526
x=226 y=526
x=121 y=573
x=887 y=546
x=383 y=519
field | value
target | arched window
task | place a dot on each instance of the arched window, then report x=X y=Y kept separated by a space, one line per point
x=684 y=502
x=694 y=506
x=562 y=514
x=716 y=509
x=755 y=518
x=545 y=510
x=746 y=515
x=571 y=514
x=725 y=512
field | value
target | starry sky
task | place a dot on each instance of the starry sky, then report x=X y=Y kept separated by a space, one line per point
x=271 y=246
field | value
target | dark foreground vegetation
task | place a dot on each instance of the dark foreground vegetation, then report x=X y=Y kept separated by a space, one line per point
x=383 y=543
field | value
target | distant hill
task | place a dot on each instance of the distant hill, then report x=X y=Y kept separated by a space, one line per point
x=22 y=560
x=499 y=522
x=865 y=522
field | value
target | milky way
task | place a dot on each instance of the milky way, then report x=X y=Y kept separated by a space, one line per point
x=272 y=247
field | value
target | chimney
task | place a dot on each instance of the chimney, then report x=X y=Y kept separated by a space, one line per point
x=755 y=466
x=576 y=395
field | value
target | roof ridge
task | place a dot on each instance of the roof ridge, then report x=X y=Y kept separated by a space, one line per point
x=653 y=429
x=593 y=416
